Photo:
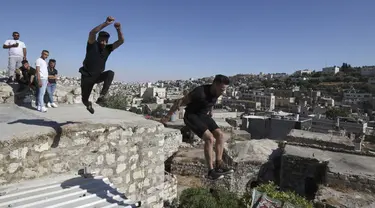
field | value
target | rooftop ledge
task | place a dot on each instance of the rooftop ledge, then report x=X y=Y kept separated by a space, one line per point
x=22 y=123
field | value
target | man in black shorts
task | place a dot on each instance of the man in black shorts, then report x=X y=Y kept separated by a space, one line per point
x=198 y=117
x=97 y=53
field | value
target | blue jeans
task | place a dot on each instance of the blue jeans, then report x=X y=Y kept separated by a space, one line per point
x=51 y=87
x=41 y=92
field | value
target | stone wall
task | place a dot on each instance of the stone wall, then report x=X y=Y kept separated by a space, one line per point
x=170 y=187
x=68 y=91
x=132 y=157
x=294 y=171
x=355 y=182
x=6 y=93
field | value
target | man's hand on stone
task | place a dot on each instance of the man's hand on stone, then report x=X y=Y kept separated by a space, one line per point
x=164 y=120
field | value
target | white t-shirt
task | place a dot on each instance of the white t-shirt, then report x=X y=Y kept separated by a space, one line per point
x=43 y=71
x=15 y=52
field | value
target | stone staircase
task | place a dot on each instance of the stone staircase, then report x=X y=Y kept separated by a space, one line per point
x=68 y=192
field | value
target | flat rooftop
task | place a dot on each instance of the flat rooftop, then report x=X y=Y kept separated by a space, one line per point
x=338 y=162
x=316 y=136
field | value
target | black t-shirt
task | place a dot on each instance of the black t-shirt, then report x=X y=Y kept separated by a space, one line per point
x=52 y=72
x=96 y=58
x=202 y=100
x=26 y=74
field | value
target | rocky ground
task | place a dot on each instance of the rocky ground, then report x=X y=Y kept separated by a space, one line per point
x=345 y=198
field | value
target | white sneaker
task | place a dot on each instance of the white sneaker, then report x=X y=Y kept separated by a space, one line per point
x=43 y=109
x=48 y=105
x=54 y=105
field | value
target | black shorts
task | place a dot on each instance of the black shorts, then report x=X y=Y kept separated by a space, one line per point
x=199 y=123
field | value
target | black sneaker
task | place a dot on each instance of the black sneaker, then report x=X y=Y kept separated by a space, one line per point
x=213 y=175
x=222 y=168
x=100 y=101
x=89 y=108
x=10 y=80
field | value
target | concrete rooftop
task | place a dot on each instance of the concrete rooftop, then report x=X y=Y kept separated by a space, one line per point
x=338 y=162
x=17 y=121
x=320 y=137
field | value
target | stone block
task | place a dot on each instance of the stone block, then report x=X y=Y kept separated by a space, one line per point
x=60 y=167
x=138 y=174
x=121 y=158
x=107 y=172
x=100 y=160
x=110 y=158
x=42 y=147
x=131 y=188
x=127 y=178
x=19 y=153
x=115 y=135
x=13 y=167
x=104 y=148
x=80 y=141
x=120 y=168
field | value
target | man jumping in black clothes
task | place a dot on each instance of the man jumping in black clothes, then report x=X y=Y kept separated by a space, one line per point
x=198 y=117
x=97 y=52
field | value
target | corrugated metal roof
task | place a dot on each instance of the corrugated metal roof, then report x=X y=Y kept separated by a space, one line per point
x=64 y=192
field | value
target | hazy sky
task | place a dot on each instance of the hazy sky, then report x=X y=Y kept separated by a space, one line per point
x=178 y=39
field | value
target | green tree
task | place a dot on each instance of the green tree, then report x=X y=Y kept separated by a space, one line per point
x=118 y=100
x=333 y=113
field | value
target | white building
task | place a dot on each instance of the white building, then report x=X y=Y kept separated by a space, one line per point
x=267 y=100
x=368 y=71
x=331 y=70
x=303 y=72
x=152 y=92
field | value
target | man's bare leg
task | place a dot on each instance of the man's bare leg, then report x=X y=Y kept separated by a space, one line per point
x=219 y=149
x=208 y=153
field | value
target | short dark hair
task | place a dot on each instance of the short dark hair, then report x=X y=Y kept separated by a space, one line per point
x=104 y=34
x=221 y=79
x=45 y=51
x=24 y=62
x=52 y=60
x=15 y=32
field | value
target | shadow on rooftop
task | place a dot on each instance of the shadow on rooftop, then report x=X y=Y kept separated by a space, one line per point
x=102 y=189
x=41 y=122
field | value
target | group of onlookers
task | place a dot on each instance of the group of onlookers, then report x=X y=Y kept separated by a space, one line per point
x=40 y=79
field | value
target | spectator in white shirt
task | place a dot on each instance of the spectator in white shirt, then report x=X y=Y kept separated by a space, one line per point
x=42 y=80
x=17 y=53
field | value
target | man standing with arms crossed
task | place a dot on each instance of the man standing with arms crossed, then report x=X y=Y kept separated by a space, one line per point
x=17 y=53
x=97 y=53
x=198 y=117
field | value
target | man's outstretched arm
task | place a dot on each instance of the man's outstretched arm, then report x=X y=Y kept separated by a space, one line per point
x=95 y=30
x=176 y=106
x=120 y=35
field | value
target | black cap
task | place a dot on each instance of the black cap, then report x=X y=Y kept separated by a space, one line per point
x=104 y=34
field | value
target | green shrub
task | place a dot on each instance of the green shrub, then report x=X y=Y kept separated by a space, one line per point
x=203 y=198
x=118 y=100
x=271 y=190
